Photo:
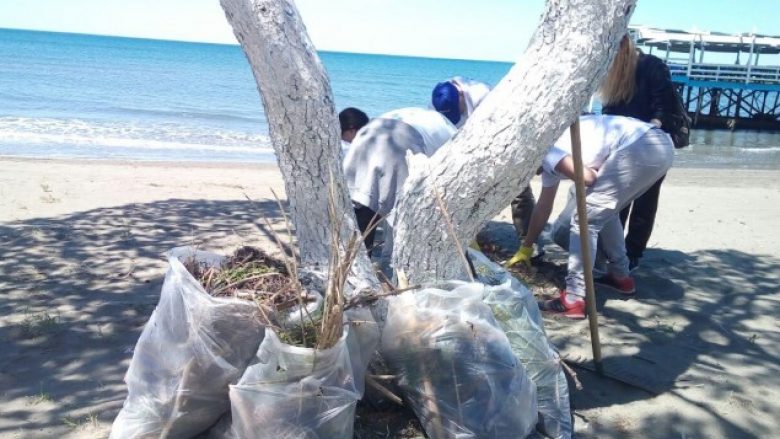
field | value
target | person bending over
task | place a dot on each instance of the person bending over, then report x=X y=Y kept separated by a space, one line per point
x=622 y=158
x=456 y=99
x=351 y=120
x=375 y=165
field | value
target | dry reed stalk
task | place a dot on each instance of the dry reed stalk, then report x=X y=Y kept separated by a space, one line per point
x=454 y=235
x=290 y=263
x=332 y=328
x=294 y=267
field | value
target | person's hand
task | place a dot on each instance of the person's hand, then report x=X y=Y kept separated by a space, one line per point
x=523 y=255
x=656 y=122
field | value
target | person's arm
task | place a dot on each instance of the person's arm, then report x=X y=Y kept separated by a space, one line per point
x=566 y=167
x=540 y=215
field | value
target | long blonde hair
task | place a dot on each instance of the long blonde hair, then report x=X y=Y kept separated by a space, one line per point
x=620 y=83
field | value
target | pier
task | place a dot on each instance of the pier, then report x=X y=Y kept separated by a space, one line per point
x=740 y=94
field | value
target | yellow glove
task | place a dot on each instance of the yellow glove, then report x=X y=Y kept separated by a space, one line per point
x=523 y=255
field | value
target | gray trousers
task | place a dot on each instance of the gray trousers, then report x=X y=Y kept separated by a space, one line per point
x=522 y=208
x=625 y=175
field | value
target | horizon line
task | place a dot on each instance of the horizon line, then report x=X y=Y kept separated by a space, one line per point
x=236 y=44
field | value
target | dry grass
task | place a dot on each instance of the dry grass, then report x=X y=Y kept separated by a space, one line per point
x=274 y=284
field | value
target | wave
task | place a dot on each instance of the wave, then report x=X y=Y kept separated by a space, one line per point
x=188 y=113
x=170 y=136
x=761 y=149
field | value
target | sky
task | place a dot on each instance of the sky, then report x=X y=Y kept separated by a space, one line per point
x=465 y=29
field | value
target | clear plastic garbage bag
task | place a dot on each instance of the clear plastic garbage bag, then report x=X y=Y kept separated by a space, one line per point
x=193 y=346
x=296 y=392
x=516 y=311
x=455 y=365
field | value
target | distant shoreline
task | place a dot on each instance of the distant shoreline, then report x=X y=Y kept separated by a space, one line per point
x=231 y=163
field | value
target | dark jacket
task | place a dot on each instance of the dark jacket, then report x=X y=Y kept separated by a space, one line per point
x=651 y=98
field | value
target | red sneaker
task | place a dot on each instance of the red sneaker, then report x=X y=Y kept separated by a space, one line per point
x=574 y=309
x=622 y=285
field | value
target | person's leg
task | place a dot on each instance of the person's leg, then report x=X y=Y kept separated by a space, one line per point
x=642 y=219
x=624 y=215
x=625 y=174
x=601 y=209
x=560 y=230
x=366 y=218
x=522 y=208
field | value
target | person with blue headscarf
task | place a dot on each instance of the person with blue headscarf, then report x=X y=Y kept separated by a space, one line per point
x=456 y=99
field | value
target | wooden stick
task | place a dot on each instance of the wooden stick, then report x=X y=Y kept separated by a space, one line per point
x=587 y=264
x=571 y=373
x=371 y=382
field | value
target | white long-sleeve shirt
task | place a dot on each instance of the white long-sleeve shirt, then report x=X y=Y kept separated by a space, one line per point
x=375 y=164
x=600 y=137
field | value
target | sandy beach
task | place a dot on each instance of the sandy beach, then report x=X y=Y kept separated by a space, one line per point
x=82 y=248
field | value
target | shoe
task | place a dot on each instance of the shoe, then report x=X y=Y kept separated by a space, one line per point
x=623 y=285
x=633 y=263
x=560 y=305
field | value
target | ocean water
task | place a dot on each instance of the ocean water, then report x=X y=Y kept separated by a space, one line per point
x=97 y=97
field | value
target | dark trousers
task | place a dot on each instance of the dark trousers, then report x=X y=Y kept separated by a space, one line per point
x=522 y=208
x=366 y=218
x=641 y=219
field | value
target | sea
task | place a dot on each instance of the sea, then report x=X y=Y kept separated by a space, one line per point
x=78 y=96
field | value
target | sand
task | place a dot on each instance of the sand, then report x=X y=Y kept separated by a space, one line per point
x=82 y=258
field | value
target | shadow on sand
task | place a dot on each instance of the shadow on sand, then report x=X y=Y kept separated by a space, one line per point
x=76 y=291
x=701 y=328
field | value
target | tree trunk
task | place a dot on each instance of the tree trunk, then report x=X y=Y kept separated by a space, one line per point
x=496 y=153
x=302 y=123
x=477 y=173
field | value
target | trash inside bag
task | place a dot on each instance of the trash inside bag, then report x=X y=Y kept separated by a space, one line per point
x=296 y=392
x=455 y=366
x=515 y=309
x=193 y=346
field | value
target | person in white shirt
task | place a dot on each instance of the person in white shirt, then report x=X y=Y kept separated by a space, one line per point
x=351 y=121
x=375 y=164
x=622 y=158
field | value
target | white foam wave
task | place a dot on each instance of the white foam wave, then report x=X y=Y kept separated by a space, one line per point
x=18 y=130
x=761 y=150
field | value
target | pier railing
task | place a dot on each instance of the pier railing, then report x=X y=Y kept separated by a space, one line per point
x=727 y=72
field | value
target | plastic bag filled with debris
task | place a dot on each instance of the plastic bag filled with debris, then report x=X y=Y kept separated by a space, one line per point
x=193 y=346
x=297 y=392
x=455 y=365
x=251 y=393
x=515 y=309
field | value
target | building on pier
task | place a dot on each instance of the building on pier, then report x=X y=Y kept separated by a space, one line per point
x=733 y=87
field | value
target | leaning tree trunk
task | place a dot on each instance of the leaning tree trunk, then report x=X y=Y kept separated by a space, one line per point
x=302 y=123
x=496 y=153
x=476 y=174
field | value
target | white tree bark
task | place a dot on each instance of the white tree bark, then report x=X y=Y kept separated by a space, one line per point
x=498 y=150
x=302 y=122
x=477 y=173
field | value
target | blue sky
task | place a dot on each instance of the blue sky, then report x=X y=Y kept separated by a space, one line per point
x=495 y=29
